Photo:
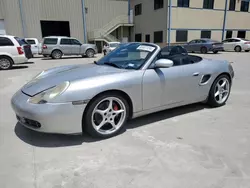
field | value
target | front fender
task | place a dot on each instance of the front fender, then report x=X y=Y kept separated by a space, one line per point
x=129 y=82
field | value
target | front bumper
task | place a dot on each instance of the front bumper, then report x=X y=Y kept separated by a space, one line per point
x=62 y=118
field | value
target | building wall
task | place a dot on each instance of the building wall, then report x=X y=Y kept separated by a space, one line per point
x=101 y=12
x=150 y=20
x=12 y=22
x=1 y=9
x=98 y=14
x=56 y=10
x=194 y=19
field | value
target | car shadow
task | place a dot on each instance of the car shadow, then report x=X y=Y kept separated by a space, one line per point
x=39 y=139
x=26 y=63
x=19 y=67
x=73 y=57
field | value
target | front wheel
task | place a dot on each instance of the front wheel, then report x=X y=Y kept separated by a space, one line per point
x=219 y=91
x=90 y=53
x=106 y=115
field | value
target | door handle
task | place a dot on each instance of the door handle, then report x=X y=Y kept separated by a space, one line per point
x=196 y=74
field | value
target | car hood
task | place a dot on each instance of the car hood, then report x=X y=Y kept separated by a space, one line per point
x=52 y=77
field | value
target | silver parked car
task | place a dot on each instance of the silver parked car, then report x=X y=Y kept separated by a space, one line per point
x=56 y=47
x=236 y=44
x=131 y=81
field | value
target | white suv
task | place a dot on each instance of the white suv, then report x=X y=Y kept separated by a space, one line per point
x=13 y=50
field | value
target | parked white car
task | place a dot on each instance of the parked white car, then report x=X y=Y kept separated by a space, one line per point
x=13 y=50
x=36 y=46
x=236 y=44
x=110 y=47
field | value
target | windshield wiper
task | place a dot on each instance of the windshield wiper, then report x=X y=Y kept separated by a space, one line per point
x=112 y=64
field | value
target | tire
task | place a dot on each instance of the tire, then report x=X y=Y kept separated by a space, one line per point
x=90 y=53
x=237 y=49
x=246 y=50
x=105 y=116
x=56 y=54
x=215 y=51
x=215 y=92
x=5 y=63
x=203 y=50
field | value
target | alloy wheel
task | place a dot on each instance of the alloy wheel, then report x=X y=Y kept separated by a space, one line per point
x=57 y=54
x=5 y=63
x=222 y=90
x=90 y=53
x=108 y=115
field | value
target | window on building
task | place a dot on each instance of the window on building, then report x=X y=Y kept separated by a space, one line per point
x=244 y=6
x=158 y=37
x=181 y=35
x=229 y=34
x=138 y=10
x=147 y=38
x=206 y=34
x=137 y=37
x=208 y=4
x=183 y=3
x=5 y=42
x=65 y=42
x=241 y=34
x=158 y=4
x=232 y=5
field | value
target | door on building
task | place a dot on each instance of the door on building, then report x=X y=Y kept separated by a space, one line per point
x=2 y=28
x=55 y=28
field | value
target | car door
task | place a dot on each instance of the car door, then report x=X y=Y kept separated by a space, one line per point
x=190 y=46
x=226 y=44
x=172 y=86
x=34 y=45
x=65 y=46
x=75 y=47
x=230 y=45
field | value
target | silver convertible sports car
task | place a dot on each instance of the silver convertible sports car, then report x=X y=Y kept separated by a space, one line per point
x=134 y=80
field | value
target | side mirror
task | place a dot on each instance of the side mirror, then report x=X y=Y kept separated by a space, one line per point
x=163 y=63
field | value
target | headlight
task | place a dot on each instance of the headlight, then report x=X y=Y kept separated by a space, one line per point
x=50 y=94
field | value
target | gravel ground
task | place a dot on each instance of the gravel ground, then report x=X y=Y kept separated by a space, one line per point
x=188 y=147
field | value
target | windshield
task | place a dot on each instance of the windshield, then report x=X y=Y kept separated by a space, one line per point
x=114 y=45
x=128 y=56
x=21 y=41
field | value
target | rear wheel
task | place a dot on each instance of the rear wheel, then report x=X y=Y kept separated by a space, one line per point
x=106 y=115
x=90 y=53
x=5 y=63
x=237 y=49
x=203 y=50
x=56 y=54
x=219 y=91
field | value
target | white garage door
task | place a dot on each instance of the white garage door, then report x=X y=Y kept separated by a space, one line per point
x=2 y=28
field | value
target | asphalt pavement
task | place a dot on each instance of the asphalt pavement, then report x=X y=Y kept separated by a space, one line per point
x=188 y=147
